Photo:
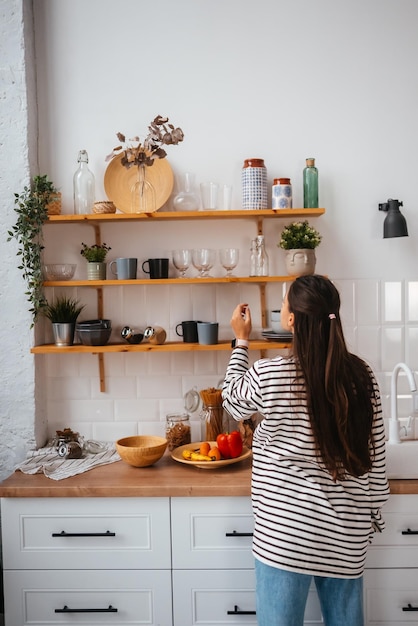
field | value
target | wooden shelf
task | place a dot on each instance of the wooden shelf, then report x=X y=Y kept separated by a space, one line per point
x=102 y=218
x=169 y=346
x=169 y=281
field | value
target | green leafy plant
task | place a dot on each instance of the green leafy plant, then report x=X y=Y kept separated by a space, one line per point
x=63 y=310
x=31 y=206
x=95 y=253
x=299 y=235
x=161 y=133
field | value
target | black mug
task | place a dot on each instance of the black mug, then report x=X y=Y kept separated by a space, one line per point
x=156 y=268
x=187 y=330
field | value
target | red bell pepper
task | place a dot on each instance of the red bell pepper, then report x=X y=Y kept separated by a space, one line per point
x=230 y=444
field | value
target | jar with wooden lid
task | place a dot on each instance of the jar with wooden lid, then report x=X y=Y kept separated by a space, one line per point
x=254 y=184
x=281 y=194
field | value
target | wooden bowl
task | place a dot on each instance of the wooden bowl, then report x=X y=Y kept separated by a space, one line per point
x=141 y=450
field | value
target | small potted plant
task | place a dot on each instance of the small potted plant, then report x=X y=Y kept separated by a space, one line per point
x=95 y=256
x=63 y=314
x=32 y=207
x=299 y=239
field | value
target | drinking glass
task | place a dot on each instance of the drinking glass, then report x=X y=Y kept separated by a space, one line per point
x=181 y=261
x=229 y=259
x=203 y=259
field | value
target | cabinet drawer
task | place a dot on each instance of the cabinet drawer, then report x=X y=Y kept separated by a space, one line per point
x=397 y=546
x=212 y=533
x=387 y=593
x=134 y=597
x=86 y=533
x=212 y=598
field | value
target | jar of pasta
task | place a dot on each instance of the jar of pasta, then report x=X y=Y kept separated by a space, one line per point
x=177 y=430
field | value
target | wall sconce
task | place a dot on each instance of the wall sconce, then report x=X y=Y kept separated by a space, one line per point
x=395 y=223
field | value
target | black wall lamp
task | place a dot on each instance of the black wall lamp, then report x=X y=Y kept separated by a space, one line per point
x=395 y=223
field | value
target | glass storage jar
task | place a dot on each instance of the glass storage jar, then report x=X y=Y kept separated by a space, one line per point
x=177 y=430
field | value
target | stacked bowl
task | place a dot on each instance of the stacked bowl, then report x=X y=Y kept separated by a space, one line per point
x=94 y=332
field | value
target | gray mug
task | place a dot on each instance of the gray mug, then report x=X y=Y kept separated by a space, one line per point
x=125 y=268
x=207 y=332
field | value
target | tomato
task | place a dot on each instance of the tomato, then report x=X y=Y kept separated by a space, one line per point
x=230 y=444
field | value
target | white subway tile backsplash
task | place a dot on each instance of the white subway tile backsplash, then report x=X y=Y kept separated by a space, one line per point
x=380 y=322
x=368 y=302
x=392 y=347
x=412 y=302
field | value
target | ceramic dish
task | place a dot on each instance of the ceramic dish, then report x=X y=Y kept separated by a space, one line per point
x=271 y=335
x=118 y=182
x=177 y=455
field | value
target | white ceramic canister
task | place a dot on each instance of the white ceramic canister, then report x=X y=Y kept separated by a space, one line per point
x=254 y=184
x=281 y=194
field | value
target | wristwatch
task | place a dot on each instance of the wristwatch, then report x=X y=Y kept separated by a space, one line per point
x=242 y=343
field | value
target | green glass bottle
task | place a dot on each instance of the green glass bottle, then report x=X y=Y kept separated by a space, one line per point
x=310 y=185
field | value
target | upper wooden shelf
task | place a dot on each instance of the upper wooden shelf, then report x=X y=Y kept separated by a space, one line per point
x=114 y=282
x=96 y=218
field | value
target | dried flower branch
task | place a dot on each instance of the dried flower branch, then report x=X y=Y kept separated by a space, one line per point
x=161 y=133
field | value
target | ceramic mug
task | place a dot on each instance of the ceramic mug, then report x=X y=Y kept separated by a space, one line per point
x=187 y=330
x=125 y=268
x=156 y=268
x=207 y=332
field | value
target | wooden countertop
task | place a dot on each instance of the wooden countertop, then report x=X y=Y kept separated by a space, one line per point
x=165 y=478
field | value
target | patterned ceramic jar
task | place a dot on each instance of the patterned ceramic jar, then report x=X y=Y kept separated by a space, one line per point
x=281 y=197
x=254 y=184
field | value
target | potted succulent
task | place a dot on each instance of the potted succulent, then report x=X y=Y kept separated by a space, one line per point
x=95 y=256
x=63 y=313
x=299 y=239
x=32 y=208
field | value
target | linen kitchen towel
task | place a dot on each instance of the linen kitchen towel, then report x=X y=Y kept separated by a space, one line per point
x=46 y=461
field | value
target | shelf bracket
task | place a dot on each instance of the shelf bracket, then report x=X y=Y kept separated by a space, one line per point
x=102 y=372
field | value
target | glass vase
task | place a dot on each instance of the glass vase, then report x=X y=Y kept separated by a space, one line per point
x=143 y=193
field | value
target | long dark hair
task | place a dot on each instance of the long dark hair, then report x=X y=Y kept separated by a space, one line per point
x=338 y=384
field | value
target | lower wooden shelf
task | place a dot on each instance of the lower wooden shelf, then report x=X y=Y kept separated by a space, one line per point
x=148 y=347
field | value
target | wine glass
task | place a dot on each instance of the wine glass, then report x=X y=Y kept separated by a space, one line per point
x=229 y=259
x=203 y=259
x=181 y=261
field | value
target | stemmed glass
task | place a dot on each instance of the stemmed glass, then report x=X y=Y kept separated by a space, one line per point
x=203 y=259
x=229 y=259
x=181 y=261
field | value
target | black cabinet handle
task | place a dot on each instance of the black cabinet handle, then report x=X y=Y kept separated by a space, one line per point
x=408 y=531
x=410 y=608
x=236 y=534
x=65 y=609
x=63 y=533
x=236 y=611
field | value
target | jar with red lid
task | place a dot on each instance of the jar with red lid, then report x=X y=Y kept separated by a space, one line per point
x=254 y=184
x=281 y=194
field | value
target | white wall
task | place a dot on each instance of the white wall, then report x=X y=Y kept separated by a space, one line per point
x=281 y=80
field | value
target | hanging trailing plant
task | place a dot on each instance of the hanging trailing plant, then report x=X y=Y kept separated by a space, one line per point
x=31 y=206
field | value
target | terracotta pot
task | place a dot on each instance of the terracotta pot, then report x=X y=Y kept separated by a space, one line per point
x=300 y=262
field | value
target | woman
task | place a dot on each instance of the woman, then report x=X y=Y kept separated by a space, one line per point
x=318 y=478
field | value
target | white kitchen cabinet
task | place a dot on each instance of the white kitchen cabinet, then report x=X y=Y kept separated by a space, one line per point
x=391 y=577
x=213 y=566
x=87 y=561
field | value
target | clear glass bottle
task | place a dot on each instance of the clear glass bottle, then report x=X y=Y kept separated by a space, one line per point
x=253 y=258
x=83 y=186
x=262 y=257
x=187 y=199
x=310 y=185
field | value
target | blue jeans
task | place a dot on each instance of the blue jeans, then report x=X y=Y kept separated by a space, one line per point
x=281 y=598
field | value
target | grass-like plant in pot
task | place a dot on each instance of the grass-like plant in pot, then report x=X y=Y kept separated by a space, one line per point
x=31 y=206
x=63 y=314
x=300 y=239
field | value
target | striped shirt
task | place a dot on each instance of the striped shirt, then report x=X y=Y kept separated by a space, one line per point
x=304 y=521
